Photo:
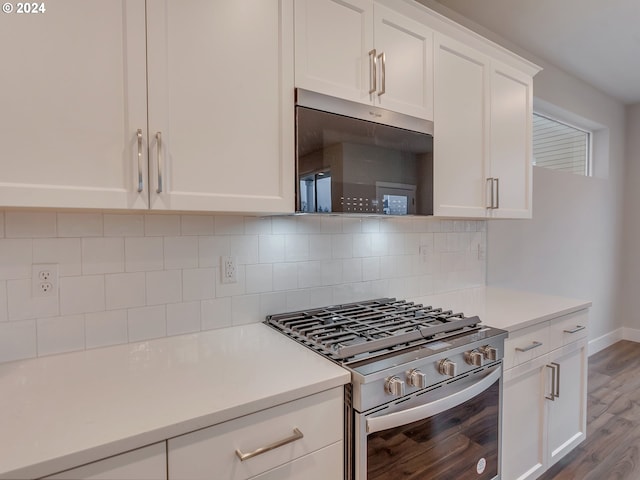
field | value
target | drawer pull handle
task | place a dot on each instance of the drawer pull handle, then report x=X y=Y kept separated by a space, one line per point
x=297 y=435
x=530 y=347
x=577 y=329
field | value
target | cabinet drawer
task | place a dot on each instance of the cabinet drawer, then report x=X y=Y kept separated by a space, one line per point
x=211 y=452
x=569 y=328
x=325 y=464
x=526 y=344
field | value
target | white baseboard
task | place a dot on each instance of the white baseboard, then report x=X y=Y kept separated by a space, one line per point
x=632 y=334
x=610 y=338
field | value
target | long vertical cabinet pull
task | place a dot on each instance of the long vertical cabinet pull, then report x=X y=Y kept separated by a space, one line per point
x=555 y=382
x=557 y=365
x=497 y=193
x=159 y=158
x=373 y=66
x=490 y=180
x=383 y=74
x=140 y=181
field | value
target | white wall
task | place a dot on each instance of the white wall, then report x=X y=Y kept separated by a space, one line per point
x=572 y=246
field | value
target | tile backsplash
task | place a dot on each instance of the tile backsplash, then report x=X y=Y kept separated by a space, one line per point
x=131 y=277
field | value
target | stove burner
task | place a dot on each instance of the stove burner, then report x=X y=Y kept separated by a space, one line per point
x=344 y=331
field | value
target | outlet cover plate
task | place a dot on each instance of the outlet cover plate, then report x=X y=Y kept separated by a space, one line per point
x=44 y=280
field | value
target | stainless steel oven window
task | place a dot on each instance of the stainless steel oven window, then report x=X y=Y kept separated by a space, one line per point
x=449 y=432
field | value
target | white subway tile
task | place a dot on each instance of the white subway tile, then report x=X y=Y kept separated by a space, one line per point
x=362 y=245
x=458 y=226
x=105 y=328
x=18 y=340
x=342 y=246
x=229 y=225
x=331 y=224
x=197 y=225
x=271 y=248
x=296 y=248
x=22 y=306
x=147 y=323
x=283 y=225
x=331 y=272
x=210 y=249
x=309 y=274
x=102 y=255
x=244 y=248
x=285 y=276
x=164 y=287
x=351 y=225
x=30 y=224
x=15 y=258
x=82 y=294
x=80 y=225
x=396 y=243
x=259 y=278
x=370 y=268
x=4 y=312
x=66 y=252
x=434 y=225
x=319 y=247
x=388 y=225
x=125 y=290
x=446 y=226
x=183 y=318
x=388 y=266
x=308 y=224
x=425 y=243
x=231 y=289
x=215 y=313
x=426 y=285
x=116 y=225
x=481 y=226
x=257 y=225
x=412 y=243
x=161 y=225
x=404 y=265
x=143 y=254
x=298 y=300
x=180 y=252
x=198 y=284
x=320 y=297
x=60 y=334
x=440 y=242
x=352 y=270
x=245 y=309
x=272 y=303
x=404 y=224
x=370 y=225
x=379 y=244
x=420 y=224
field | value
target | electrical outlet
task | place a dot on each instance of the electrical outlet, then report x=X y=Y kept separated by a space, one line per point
x=44 y=280
x=228 y=269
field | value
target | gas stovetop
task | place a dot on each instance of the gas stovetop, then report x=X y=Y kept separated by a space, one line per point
x=357 y=331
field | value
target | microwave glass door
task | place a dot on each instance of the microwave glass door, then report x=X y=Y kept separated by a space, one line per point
x=350 y=165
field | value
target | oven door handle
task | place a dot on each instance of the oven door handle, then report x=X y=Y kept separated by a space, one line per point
x=404 y=417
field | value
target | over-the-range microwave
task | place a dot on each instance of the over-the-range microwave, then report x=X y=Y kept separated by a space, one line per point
x=361 y=159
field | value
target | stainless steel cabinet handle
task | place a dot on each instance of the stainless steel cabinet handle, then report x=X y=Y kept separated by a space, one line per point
x=490 y=206
x=497 y=193
x=140 y=182
x=530 y=347
x=557 y=365
x=552 y=395
x=159 y=157
x=297 y=435
x=383 y=74
x=373 y=66
x=575 y=330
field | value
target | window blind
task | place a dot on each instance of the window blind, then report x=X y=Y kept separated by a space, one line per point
x=560 y=146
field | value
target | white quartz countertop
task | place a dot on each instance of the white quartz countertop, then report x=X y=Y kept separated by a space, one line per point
x=61 y=411
x=507 y=309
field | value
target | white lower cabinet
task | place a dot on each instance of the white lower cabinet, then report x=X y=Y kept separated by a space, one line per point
x=299 y=432
x=147 y=463
x=545 y=396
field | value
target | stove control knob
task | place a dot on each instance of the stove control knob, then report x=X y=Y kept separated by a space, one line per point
x=474 y=357
x=447 y=367
x=416 y=378
x=489 y=352
x=394 y=386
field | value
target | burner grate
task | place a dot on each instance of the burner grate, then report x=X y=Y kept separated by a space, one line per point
x=348 y=330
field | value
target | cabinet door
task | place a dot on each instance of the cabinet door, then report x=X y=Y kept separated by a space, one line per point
x=460 y=119
x=405 y=79
x=73 y=97
x=221 y=105
x=523 y=422
x=333 y=39
x=148 y=463
x=567 y=413
x=511 y=147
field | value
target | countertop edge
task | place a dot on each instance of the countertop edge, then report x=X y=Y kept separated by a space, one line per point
x=548 y=316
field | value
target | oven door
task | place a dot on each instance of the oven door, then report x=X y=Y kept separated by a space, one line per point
x=449 y=432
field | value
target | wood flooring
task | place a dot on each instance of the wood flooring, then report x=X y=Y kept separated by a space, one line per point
x=612 y=448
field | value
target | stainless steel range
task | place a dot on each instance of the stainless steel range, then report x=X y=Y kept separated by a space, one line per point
x=426 y=387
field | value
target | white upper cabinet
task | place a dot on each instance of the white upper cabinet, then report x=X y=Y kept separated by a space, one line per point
x=362 y=51
x=482 y=134
x=220 y=133
x=73 y=98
